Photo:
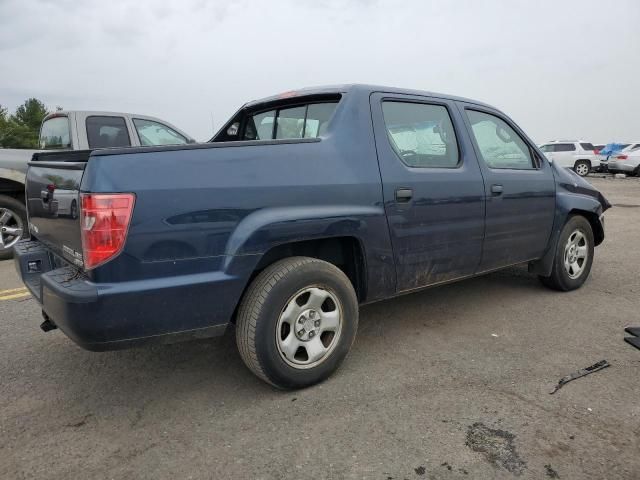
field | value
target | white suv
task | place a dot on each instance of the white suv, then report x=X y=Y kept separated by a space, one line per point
x=575 y=154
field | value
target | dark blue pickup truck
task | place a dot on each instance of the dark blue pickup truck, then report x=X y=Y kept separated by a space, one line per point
x=302 y=207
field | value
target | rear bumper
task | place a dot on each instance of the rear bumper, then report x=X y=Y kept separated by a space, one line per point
x=102 y=317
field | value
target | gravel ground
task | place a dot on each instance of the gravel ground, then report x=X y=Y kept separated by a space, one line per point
x=452 y=382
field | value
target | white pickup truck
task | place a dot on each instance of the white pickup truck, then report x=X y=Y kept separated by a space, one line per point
x=72 y=130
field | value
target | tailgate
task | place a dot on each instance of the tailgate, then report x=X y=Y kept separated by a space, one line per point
x=53 y=204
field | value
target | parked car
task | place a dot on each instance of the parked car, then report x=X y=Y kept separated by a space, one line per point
x=302 y=207
x=72 y=130
x=608 y=151
x=627 y=161
x=575 y=154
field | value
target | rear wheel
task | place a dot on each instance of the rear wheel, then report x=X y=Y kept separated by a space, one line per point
x=573 y=257
x=13 y=224
x=297 y=322
x=582 y=168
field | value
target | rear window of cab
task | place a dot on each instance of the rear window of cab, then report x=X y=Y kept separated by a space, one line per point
x=297 y=119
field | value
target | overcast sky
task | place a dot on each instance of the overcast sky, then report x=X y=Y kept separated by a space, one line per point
x=561 y=69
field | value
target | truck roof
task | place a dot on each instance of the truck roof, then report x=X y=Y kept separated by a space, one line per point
x=352 y=87
x=98 y=113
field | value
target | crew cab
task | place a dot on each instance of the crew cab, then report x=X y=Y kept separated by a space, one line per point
x=303 y=207
x=72 y=130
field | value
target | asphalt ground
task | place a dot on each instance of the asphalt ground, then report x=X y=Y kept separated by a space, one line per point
x=452 y=382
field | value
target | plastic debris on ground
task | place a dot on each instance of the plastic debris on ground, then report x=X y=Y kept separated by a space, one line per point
x=580 y=373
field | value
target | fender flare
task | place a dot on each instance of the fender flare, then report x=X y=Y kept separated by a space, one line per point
x=267 y=228
x=567 y=204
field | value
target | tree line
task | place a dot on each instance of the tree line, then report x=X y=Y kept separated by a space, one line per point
x=22 y=128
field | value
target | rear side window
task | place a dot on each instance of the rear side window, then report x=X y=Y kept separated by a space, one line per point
x=300 y=121
x=587 y=146
x=546 y=148
x=106 y=132
x=500 y=145
x=55 y=133
x=155 y=133
x=421 y=134
x=565 y=147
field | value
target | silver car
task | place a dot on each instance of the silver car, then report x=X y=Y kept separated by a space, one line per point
x=627 y=161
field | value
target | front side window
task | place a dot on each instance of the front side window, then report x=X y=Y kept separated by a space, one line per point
x=155 y=133
x=421 y=134
x=55 y=133
x=300 y=121
x=107 y=132
x=499 y=144
x=587 y=146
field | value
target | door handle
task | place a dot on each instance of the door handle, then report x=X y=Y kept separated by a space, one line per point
x=404 y=195
x=496 y=189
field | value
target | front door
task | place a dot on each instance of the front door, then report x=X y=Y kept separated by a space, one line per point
x=519 y=189
x=432 y=187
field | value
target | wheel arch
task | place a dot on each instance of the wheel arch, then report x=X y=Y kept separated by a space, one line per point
x=569 y=205
x=594 y=221
x=12 y=188
x=345 y=252
x=582 y=160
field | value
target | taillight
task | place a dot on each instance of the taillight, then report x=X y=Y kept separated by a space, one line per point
x=104 y=222
x=621 y=157
x=596 y=151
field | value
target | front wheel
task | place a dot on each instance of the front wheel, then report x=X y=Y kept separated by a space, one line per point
x=573 y=257
x=297 y=322
x=582 y=168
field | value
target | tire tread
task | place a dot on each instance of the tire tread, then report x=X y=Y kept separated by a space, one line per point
x=251 y=304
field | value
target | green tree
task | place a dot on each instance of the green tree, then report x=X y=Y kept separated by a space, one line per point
x=21 y=129
x=31 y=113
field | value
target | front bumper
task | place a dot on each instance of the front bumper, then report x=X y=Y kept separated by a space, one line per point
x=114 y=316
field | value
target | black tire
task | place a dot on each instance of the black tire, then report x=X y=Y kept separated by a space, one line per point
x=580 y=171
x=261 y=308
x=560 y=278
x=17 y=208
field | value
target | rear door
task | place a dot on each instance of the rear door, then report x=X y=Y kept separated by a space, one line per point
x=565 y=154
x=519 y=190
x=432 y=187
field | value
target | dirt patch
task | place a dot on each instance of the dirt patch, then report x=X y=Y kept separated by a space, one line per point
x=497 y=446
